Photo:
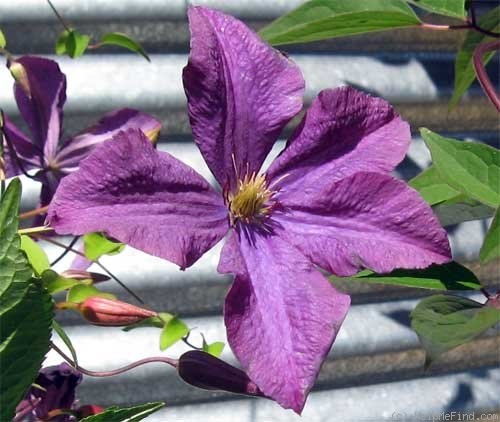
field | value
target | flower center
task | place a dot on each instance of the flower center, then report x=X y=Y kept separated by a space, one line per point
x=250 y=202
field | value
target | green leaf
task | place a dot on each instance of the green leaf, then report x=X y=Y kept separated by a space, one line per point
x=471 y=168
x=123 y=40
x=72 y=43
x=14 y=267
x=432 y=187
x=450 y=205
x=451 y=276
x=24 y=342
x=173 y=331
x=26 y=311
x=453 y=8
x=54 y=283
x=36 y=255
x=320 y=19
x=79 y=293
x=125 y=414
x=154 y=321
x=215 y=349
x=458 y=212
x=66 y=340
x=491 y=246
x=443 y=322
x=97 y=245
x=3 y=41
x=464 y=69
x=61 y=43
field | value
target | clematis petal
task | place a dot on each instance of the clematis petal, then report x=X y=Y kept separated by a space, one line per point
x=241 y=93
x=368 y=220
x=78 y=147
x=282 y=317
x=28 y=155
x=141 y=197
x=40 y=92
x=343 y=132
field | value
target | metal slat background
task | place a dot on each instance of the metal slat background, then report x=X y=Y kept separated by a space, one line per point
x=375 y=369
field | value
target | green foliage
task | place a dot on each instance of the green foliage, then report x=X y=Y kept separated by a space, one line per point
x=66 y=340
x=97 y=245
x=123 y=40
x=25 y=311
x=451 y=276
x=54 y=283
x=491 y=246
x=154 y=321
x=3 y=41
x=173 y=331
x=80 y=292
x=464 y=69
x=36 y=255
x=453 y=8
x=215 y=349
x=433 y=188
x=470 y=168
x=320 y=19
x=72 y=43
x=125 y=414
x=450 y=205
x=443 y=322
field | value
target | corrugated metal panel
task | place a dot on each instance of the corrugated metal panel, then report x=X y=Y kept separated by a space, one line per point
x=375 y=368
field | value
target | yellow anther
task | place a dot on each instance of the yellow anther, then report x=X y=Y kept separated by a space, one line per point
x=250 y=201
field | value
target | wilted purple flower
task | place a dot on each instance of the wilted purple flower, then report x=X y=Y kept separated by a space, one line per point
x=58 y=384
x=327 y=201
x=40 y=92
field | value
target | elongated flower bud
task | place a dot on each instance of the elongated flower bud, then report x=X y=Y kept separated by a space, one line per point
x=85 y=275
x=19 y=73
x=115 y=313
x=210 y=373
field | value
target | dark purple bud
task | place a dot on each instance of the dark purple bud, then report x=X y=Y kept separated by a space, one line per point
x=203 y=370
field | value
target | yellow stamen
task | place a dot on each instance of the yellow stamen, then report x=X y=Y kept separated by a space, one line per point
x=250 y=201
x=153 y=135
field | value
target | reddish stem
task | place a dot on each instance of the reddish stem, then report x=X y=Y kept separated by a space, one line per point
x=32 y=213
x=162 y=359
x=482 y=75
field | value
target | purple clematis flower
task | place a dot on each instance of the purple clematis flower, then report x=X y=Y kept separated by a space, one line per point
x=327 y=201
x=40 y=92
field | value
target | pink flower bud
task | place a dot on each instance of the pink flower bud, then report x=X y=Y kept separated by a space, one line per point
x=115 y=313
x=89 y=410
x=205 y=371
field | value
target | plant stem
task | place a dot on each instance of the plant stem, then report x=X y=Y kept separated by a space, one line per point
x=468 y=25
x=32 y=213
x=65 y=252
x=61 y=245
x=161 y=359
x=59 y=17
x=35 y=230
x=482 y=75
